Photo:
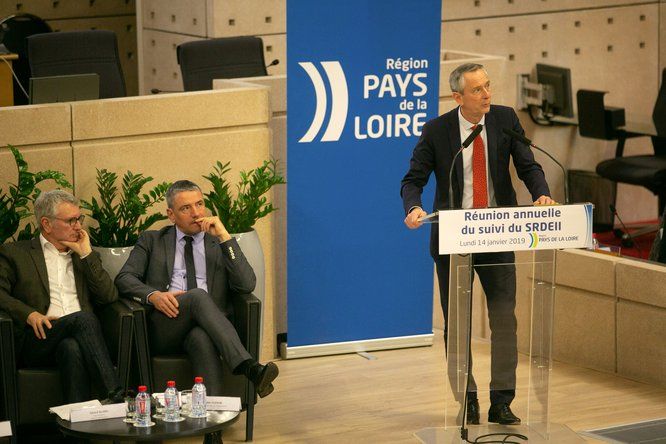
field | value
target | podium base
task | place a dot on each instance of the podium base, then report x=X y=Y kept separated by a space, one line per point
x=558 y=434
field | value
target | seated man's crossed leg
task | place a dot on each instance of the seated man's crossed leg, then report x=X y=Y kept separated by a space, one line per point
x=204 y=333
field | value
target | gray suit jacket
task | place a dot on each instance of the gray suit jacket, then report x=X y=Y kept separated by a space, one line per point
x=24 y=282
x=150 y=267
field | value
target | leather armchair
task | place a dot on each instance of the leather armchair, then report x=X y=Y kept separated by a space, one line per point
x=201 y=61
x=28 y=393
x=156 y=370
x=79 y=52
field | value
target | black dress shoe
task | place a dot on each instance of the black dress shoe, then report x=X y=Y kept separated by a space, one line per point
x=262 y=376
x=502 y=414
x=473 y=416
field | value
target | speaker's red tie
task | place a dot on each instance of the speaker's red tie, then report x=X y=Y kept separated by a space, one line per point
x=480 y=181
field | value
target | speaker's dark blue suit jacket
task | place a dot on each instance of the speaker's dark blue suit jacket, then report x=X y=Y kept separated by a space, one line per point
x=439 y=143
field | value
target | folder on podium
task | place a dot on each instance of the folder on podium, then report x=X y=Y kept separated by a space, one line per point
x=468 y=235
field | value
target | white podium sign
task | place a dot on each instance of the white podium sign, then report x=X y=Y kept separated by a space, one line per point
x=515 y=228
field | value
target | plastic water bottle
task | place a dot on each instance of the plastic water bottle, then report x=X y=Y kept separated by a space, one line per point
x=595 y=243
x=198 y=398
x=142 y=415
x=171 y=412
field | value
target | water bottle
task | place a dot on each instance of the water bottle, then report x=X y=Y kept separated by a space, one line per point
x=198 y=398
x=171 y=412
x=142 y=415
x=595 y=243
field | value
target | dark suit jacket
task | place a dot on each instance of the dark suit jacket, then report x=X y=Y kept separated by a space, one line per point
x=150 y=267
x=439 y=143
x=24 y=282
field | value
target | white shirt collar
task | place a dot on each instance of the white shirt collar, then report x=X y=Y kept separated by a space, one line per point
x=46 y=245
x=466 y=124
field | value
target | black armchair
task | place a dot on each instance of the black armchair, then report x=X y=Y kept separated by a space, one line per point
x=79 y=52
x=155 y=371
x=648 y=171
x=202 y=61
x=28 y=393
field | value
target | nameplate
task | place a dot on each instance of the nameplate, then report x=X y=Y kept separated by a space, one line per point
x=226 y=403
x=94 y=413
x=515 y=228
x=5 y=428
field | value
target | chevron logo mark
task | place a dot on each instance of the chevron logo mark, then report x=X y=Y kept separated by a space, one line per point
x=534 y=241
x=339 y=101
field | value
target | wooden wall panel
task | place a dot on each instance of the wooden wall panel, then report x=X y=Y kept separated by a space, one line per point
x=175 y=16
x=471 y=9
x=59 y=9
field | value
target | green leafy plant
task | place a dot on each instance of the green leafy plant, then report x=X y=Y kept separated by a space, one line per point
x=119 y=218
x=240 y=214
x=14 y=205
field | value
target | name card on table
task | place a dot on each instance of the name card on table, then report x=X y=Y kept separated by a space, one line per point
x=5 y=428
x=515 y=228
x=63 y=411
x=102 y=412
x=227 y=403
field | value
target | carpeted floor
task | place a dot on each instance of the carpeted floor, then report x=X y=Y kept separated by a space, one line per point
x=641 y=244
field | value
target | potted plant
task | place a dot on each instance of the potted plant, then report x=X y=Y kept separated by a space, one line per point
x=240 y=213
x=14 y=205
x=121 y=218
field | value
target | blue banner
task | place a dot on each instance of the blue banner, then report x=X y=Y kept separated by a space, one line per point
x=362 y=79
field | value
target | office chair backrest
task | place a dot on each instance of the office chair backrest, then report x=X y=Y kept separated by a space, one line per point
x=224 y=58
x=659 y=113
x=14 y=30
x=79 y=52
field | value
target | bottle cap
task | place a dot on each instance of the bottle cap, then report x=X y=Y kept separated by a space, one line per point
x=198 y=380
x=171 y=383
x=142 y=388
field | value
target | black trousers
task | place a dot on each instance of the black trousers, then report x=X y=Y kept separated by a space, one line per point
x=499 y=285
x=203 y=332
x=76 y=344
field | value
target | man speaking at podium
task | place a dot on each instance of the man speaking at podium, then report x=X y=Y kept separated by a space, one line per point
x=485 y=182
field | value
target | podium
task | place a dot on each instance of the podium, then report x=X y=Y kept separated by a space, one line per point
x=481 y=244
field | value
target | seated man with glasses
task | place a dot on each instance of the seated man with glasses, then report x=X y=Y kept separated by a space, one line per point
x=47 y=285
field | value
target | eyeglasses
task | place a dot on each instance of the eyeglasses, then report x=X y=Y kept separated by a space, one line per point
x=72 y=220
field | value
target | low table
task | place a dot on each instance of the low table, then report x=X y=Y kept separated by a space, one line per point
x=117 y=430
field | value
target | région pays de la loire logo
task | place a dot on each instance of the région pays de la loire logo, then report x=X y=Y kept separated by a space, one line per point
x=402 y=79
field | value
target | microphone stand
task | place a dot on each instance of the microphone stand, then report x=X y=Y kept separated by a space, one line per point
x=529 y=143
x=465 y=144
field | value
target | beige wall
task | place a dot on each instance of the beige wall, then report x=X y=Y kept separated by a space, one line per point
x=42 y=134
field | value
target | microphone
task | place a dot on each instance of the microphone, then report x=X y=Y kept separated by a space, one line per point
x=465 y=144
x=273 y=63
x=158 y=91
x=519 y=137
x=627 y=238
